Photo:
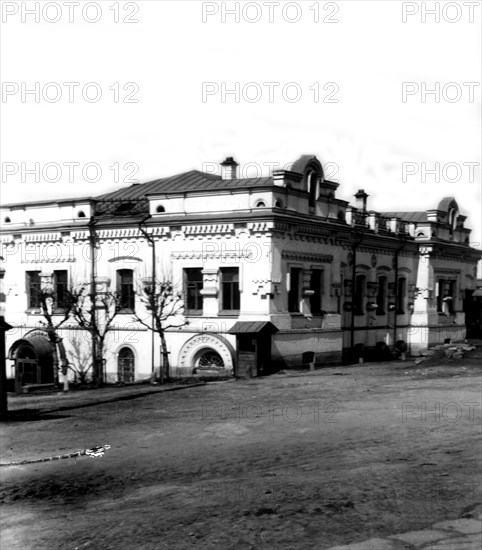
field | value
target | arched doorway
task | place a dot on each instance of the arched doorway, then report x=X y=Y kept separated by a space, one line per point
x=126 y=365
x=33 y=358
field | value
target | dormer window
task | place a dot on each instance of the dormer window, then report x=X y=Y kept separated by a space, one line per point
x=452 y=220
x=312 y=187
x=160 y=209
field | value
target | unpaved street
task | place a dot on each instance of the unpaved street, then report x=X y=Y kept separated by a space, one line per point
x=296 y=461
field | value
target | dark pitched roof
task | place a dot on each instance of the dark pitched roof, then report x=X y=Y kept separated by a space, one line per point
x=181 y=183
x=407 y=216
x=244 y=327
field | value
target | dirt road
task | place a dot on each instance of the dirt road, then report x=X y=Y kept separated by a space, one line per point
x=287 y=462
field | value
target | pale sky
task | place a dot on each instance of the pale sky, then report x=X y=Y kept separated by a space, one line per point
x=171 y=53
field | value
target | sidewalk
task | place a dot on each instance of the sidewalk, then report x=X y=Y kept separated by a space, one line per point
x=26 y=405
x=455 y=534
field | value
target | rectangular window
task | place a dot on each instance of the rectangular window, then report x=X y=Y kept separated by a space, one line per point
x=440 y=287
x=33 y=289
x=60 y=288
x=294 y=292
x=359 y=298
x=125 y=288
x=445 y=296
x=382 y=295
x=316 y=285
x=193 y=284
x=450 y=297
x=230 y=298
x=401 y=292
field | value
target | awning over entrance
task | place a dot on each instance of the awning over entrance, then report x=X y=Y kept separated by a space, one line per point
x=250 y=327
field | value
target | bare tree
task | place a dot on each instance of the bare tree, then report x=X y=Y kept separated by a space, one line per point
x=86 y=312
x=80 y=359
x=56 y=308
x=165 y=305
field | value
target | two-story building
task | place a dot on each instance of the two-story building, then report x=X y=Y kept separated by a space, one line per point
x=276 y=262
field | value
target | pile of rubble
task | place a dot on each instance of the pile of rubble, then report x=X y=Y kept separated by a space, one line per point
x=449 y=350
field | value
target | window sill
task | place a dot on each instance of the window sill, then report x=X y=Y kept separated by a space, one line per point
x=34 y=311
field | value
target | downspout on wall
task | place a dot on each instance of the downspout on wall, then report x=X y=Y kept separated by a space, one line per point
x=151 y=240
x=395 y=267
x=93 y=292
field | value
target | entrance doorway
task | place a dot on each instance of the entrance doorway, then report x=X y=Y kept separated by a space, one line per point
x=126 y=366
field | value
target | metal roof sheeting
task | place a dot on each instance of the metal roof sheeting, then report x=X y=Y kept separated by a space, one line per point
x=181 y=183
x=407 y=216
x=245 y=327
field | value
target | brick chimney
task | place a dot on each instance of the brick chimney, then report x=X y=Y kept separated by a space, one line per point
x=361 y=200
x=229 y=169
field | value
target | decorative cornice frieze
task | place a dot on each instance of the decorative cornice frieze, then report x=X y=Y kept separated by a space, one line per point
x=211 y=229
x=47 y=260
x=307 y=257
x=42 y=237
x=213 y=254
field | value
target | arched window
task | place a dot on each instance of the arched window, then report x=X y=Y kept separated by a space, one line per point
x=421 y=234
x=81 y=214
x=260 y=204
x=7 y=220
x=312 y=188
x=452 y=220
x=160 y=209
x=278 y=204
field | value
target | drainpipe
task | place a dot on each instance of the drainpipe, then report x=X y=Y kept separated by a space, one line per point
x=93 y=292
x=395 y=267
x=353 y=287
x=152 y=242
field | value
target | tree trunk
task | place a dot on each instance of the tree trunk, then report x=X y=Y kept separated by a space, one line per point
x=165 y=355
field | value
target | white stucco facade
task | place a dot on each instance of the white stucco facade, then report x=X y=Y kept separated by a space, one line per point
x=328 y=275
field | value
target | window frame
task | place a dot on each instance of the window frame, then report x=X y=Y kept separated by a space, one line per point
x=317 y=298
x=235 y=293
x=198 y=295
x=359 y=294
x=382 y=295
x=400 y=306
x=60 y=304
x=131 y=295
x=294 y=295
x=29 y=285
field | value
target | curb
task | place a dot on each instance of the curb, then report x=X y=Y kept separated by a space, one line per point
x=111 y=399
